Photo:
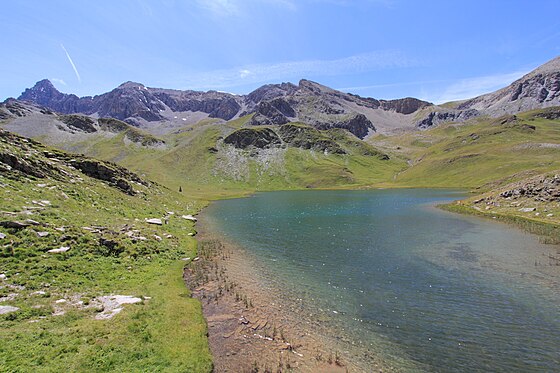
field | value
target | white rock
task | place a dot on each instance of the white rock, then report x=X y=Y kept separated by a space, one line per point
x=154 y=221
x=42 y=234
x=186 y=259
x=63 y=249
x=158 y=238
x=7 y=309
x=3 y=276
x=112 y=305
x=527 y=209
x=60 y=301
x=2 y=236
x=189 y=217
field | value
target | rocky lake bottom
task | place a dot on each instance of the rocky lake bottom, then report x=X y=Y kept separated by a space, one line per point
x=376 y=280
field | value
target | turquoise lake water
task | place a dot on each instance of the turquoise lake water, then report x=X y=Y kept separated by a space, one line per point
x=385 y=271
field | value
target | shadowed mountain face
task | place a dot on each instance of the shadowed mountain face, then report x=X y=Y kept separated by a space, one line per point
x=308 y=102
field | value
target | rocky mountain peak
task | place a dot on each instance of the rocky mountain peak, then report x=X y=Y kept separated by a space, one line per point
x=271 y=91
x=309 y=85
x=41 y=93
x=552 y=66
x=538 y=89
x=131 y=85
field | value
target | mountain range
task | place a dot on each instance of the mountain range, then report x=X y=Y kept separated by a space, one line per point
x=307 y=102
x=78 y=229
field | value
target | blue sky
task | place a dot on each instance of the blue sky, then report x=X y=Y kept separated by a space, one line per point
x=434 y=50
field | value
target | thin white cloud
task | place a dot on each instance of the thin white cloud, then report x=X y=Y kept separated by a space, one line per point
x=288 y=4
x=389 y=85
x=220 y=8
x=472 y=87
x=59 y=81
x=385 y=3
x=71 y=63
x=258 y=73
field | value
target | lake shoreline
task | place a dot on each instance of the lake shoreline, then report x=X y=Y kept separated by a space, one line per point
x=249 y=329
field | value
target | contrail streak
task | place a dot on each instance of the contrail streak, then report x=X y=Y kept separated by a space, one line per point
x=71 y=63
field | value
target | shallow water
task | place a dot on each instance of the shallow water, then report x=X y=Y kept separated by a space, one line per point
x=388 y=274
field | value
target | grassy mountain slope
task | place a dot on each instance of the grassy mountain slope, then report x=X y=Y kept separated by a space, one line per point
x=479 y=154
x=197 y=160
x=49 y=204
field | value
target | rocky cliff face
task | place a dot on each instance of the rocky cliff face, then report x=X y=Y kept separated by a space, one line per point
x=536 y=90
x=437 y=117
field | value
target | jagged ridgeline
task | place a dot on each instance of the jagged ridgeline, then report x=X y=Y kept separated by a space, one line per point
x=80 y=241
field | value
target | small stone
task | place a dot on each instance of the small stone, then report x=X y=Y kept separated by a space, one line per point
x=60 y=301
x=7 y=309
x=154 y=221
x=186 y=259
x=3 y=276
x=2 y=236
x=62 y=249
x=189 y=217
x=42 y=234
x=158 y=238
x=527 y=209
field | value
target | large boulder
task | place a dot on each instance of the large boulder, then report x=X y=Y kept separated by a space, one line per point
x=257 y=137
x=305 y=137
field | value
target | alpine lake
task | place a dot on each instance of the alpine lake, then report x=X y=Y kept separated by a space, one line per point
x=388 y=274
